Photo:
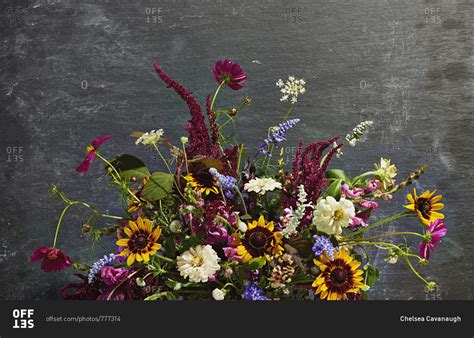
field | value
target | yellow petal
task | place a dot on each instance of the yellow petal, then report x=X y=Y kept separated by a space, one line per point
x=133 y=226
x=436 y=198
x=128 y=232
x=148 y=225
x=410 y=207
x=261 y=221
x=436 y=215
x=410 y=199
x=140 y=223
x=122 y=242
x=145 y=256
x=437 y=206
x=139 y=257
x=270 y=226
x=131 y=259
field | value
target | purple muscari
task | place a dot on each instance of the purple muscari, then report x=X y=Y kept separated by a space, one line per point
x=97 y=266
x=253 y=292
x=323 y=244
x=277 y=135
x=227 y=183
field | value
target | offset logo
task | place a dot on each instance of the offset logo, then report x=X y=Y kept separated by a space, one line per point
x=23 y=318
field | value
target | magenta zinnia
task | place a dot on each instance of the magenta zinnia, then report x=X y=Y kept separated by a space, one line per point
x=53 y=259
x=231 y=74
x=91 y=152
x=436 y=230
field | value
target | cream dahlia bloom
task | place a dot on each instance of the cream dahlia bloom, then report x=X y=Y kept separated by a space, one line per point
x=330 y=216
x=198 y=263
x=262 y=185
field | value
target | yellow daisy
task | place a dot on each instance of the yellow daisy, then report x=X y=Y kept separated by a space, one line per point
x=260 y=240
x=426 y=206
x=141 y=243
x=203 y=181
x=339 y=278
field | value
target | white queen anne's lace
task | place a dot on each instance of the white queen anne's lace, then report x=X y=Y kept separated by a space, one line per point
x=291 y=88
x=150 y=138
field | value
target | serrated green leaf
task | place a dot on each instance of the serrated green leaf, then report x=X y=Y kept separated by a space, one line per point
x=130 y=166
x=159 y=186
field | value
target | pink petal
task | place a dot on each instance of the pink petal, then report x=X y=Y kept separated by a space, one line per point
x=98 y=141
x=39 y=253
x=84 y=166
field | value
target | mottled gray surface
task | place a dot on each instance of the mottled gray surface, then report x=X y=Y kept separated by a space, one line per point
x=73 y=70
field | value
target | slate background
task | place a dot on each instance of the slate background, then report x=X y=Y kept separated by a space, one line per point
x=72 y=70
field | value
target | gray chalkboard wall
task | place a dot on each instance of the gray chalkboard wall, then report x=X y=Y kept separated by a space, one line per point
x=72 y=70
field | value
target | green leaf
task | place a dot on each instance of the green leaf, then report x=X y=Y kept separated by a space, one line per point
x=338 y=174
x=334 y=189
x=255 y=263
x=372 y=274
x=130 y=166
x=189 y=242
x=159 y=186
x=168 y=295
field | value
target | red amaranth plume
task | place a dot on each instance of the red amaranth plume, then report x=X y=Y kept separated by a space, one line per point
x=308 y=169
x=199 y=143
x=212 y=121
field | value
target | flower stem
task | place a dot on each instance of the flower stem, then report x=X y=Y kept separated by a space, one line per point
x=215 y=95
x=242 y=199
x=118 y=178
x=166 y=259
x=66 y=208
x=398 y=233
x=379 y=223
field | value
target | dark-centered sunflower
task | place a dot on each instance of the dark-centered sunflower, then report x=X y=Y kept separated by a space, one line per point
x=426 y=206
x=339 y=278
x=260 y=240
x=203 y=181
x=141 y=242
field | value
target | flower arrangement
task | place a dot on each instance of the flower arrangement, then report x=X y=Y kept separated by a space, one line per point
x=220 y=224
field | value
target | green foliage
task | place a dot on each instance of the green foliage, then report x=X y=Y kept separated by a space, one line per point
x=371 y=275
x=255 y=263
x=338 y=174
x=158 y=187
x=334 y=189
x=130 y=166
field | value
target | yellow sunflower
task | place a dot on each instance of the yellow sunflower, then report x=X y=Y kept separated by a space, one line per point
x=339 y=278
x=426 y=206
x=260 y=240
x=203 y=181
x=141 y=242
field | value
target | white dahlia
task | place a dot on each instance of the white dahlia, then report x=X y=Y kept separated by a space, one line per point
x=198 y=263
x=330 y=216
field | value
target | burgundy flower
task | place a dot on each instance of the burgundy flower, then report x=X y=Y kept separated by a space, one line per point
x=91 y=152
x=53 y=259
x=436 y=230
x=111 y=275
x=230 y=73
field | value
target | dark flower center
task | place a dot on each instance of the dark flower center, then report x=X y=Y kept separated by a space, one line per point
x=205 y=179
x=338 y=275
x=141 y=241
x=423 y=205
x=257 y=240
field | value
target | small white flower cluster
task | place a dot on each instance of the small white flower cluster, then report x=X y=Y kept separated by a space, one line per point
x=298 y=214
x=262 y=185
x=150 y=138
x=358 y=132
x=291 y=88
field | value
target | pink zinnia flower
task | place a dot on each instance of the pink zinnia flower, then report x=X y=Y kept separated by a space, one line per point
x=436 y=230
x=91 y=151
x=53 y=259
x=230 y=73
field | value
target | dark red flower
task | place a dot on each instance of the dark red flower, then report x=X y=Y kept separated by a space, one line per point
x=53 y=259
x=91 y=151
x=230 y=73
